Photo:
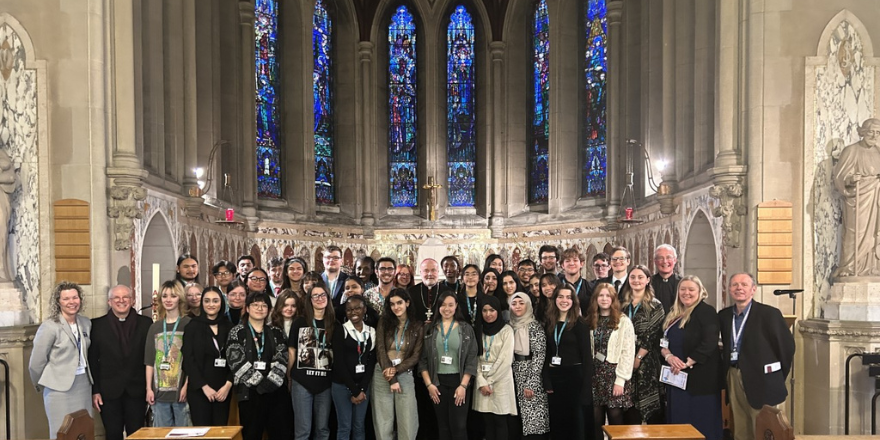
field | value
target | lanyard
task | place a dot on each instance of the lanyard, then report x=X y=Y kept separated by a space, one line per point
x=631 y=311
x=398 y=339
x=323 y=337
x=446 y=336
x=665 y=332
x=165 y=336
x=472 y=309
x=217 y=346
x=577 y=288
x=557 y=335
x=361 y=345
x=737 y=335
x=77 y=336
x=486 y=349
x=262 y=340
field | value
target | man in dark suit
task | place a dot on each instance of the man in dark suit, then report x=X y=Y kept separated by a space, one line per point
x=116 y=359
x=665 y=281
x=758 y=352
x=619 y=278
x=334 y=277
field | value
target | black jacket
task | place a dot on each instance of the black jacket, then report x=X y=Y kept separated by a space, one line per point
x=701 y=345
x=765 y=340
x=113 y=372
x=199 y=354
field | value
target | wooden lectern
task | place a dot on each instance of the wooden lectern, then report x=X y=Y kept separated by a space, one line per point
x=215 y=433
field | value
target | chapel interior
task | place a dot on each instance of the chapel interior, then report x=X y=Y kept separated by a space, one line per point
x=140 y=130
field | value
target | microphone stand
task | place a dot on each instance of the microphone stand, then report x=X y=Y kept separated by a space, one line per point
x=792 y=293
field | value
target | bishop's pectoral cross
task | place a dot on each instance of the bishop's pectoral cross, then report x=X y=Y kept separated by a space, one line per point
x=432 y=187
x=428 y=315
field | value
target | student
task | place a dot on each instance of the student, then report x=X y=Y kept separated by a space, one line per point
x=354 y=286
x=494 y=261
x=509 y=282
x=403 y=276
x=549 y=283
x=495 y=397
x=310 y=362
x=295 y=269
x=257 y=356
x=399 y=346
x=447 y=365
x=614 y=344
x=376 y=296
x=569 y=368
x=287 y=308
x=204 y=361
x=224 y=274
x=471 y=295
x=166 y=381
x=529 y=349
x=355 y=359
x=193 y=293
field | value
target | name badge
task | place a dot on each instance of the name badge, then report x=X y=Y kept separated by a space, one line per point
x=664 y=343
x=772 y=368
x=734 y=356
x=360 y=369
x=259 y=365
x=485 y=368
x=219 y=363
x=600 y=357
x=165 y=366
x=446 y=360
x=395 y=362
x=556 y=360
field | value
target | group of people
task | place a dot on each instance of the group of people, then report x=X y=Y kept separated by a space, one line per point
x=491 y=353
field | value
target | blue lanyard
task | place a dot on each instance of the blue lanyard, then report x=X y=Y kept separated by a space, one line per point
x=262 y=340
x=486 y=349
x=737 y=335
x=323 y=337
x=445 y=335
x=557 y=335
x=577 y=289
x=631 y=311
x=472 y=310
x=398 y=339
x=167 y=347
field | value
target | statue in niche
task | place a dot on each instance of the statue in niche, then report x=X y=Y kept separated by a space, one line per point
x=7 y=186
x=857 y=178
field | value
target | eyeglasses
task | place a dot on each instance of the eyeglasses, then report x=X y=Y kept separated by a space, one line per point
x=386 y=269
x=259 y=306
x=319 y=296
x=222 y=274
x=332 y=257
x=258 y=279
x=619 y=258
x=600 y=266
x=527 y=270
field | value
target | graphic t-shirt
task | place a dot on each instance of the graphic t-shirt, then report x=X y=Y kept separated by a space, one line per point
x=166 y=381
x=314 y=354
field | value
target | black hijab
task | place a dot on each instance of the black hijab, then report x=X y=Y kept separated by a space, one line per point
x=491 y=328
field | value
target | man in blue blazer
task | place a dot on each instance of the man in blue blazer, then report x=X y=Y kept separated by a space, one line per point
x=757 y=356
x=119 y=389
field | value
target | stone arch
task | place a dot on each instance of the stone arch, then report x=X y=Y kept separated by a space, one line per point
x=208 y=278
x=271 y=253
x=288 y=252
x=702 y=255
x=834 y=23
x=158 y=249
x=608 y=249
x=348 y=259
x=258 y=256
x=319 y=259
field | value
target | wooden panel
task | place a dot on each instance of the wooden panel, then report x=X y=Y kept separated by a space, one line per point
x=775 y=242
x=72 y=241
x=783 y=278
x=774 y=238
x=783 y=225
x=774 y=251
x=774 y=213
x=774 y=264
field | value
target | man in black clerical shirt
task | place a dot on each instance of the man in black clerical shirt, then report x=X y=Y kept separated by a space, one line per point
x=424 y=295
x=665 y=281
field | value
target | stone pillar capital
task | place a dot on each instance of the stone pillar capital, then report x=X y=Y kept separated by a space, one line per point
x=246 y=13
x=615 y=12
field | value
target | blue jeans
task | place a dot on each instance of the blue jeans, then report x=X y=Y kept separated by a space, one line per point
x=349 y=417
x=305 y=406
x=168 y=414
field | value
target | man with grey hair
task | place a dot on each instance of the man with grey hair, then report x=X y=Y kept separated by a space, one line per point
x=116 y=359
x=425 y=294
x=665 y=281
x=857 y=177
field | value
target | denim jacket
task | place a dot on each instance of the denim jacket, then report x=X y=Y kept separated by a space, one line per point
x=467 y=351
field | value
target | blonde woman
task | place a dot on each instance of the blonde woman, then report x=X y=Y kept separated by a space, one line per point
x=166 y=381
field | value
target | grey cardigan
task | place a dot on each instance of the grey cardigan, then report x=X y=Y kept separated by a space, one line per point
x=467 y=351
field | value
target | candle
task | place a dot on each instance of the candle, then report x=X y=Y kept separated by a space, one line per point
x=230 y=214
x=629 y=213
x=155 y=277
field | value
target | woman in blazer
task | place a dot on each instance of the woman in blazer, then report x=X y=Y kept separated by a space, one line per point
x=59 y=366
x=690 y=344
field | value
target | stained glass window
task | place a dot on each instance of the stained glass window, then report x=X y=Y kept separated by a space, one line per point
x=595 y=69
x=402 y=127
x=540 y=130
x=268 y=153
x=461 y=148
x=322 y=31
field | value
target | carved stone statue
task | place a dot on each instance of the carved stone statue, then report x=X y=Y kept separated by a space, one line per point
x=7 y=186
x=857 y=177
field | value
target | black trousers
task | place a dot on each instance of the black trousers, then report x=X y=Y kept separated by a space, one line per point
x=125 y=413
x=204 y=412
x=451 y=418
x=576 y=419
x=261 y=412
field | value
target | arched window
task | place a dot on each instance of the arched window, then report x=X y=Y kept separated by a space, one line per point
x=267 y=114
x=322 y=49
x=402 y=109
x=540 y=130
x=461 y=122
x=595 y=122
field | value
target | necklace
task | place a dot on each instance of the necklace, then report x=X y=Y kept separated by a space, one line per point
x=429 y=310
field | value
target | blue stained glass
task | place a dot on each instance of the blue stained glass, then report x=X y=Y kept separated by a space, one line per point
x=461 y=139
x=267 y=80
x=595 y=72
x=402 y=108
x=322 y=32
x=540 y=134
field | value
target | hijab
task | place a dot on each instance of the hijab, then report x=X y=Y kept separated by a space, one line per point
x=520 y=325
x=491 y=328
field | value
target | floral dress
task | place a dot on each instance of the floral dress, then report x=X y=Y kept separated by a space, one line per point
x=605 y=373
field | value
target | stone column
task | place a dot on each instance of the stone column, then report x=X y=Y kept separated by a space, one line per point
x=365 y=135
x=248 y=148
x=704 y=93
x=615 y=146
x=190 y=187
x=496 y=169
x=684 y=88
x=668 y=149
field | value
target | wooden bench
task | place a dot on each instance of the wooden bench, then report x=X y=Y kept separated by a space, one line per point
x=215 y=433
x=665 y=432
